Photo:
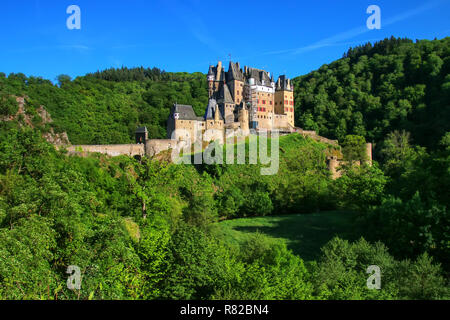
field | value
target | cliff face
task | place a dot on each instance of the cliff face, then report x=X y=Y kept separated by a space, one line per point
x=27 y=120
x=51 y=136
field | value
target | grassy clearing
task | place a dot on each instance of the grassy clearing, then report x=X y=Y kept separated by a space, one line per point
x=304 y=234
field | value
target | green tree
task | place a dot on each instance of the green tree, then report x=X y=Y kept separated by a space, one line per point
x=354 y=148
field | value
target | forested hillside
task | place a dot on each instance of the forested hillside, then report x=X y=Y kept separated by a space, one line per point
x=394 y=84
x=149 y=229
x=143 y=230
x=107 y=107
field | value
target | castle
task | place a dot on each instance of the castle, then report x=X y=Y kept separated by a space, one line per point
x=242 y=99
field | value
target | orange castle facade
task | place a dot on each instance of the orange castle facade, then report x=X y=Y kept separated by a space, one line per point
x=270 y=104
x=246 y=99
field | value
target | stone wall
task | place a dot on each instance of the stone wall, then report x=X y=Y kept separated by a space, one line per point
x=334 y=163
x=112 y=150
x=280 y=121
x=155 y=146
x=315 y=136
x=333 y=166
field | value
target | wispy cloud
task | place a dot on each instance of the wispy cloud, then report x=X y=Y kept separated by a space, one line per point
x=77 y=47
x=74 y=47
x=158 y=44
x=352 y=33
x=186 y=13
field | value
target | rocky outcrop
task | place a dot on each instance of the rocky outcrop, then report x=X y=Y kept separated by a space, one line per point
x=51 y=136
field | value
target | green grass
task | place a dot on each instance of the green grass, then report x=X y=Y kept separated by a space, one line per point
x=304 y=234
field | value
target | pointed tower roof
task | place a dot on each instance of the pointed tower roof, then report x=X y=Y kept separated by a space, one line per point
x=217 y=114
x=227 y=98
x=211 y=71
x=234 y=72
x=210 y=109
x=284 y=83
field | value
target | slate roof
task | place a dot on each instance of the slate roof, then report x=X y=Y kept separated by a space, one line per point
x=185 y=112
x=211 y=110
x=282 y=84
x=224 y=95
x=219 y=74
x=234 y=72
x=211 y=71
x=259 y=76
x=141 y=130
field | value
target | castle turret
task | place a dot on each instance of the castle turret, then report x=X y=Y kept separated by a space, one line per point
x=369 y=153
x=211 y=78
x=235 y=82
x=333 y=166
x=216 y=78
x=284 y=99
x=243 y=120
x=217 y=114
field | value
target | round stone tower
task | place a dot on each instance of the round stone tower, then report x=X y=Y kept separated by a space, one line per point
x=243 y=120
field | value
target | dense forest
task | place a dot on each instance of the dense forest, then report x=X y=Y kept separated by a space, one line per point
x=394 y=84
x=149 y=229
x=105 y=107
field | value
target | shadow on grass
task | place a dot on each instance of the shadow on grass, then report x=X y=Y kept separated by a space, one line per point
x=305 y=234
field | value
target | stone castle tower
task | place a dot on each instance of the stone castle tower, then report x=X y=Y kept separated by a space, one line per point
x=239 y=98
x=270 y=104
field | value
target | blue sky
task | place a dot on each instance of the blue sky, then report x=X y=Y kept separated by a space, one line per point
x=291 y=37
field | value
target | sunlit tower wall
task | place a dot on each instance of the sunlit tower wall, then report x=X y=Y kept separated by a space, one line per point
x=252 y=103
x=284 y=98
x=235 y=82
x=215 y=77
